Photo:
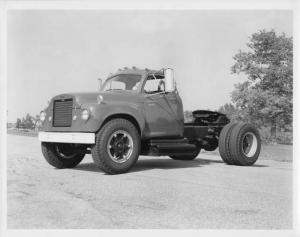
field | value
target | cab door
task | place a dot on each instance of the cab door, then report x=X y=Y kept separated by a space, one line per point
x=161 y=109
x=175 y=103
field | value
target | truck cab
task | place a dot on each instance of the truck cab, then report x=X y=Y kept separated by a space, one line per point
x=138 y=94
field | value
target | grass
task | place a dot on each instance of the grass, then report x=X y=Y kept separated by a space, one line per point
x=23 y=133
x=277 y=152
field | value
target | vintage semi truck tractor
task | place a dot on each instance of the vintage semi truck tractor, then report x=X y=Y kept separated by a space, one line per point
x=138 y=112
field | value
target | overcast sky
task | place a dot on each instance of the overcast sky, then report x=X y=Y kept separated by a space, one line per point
x=54 y=51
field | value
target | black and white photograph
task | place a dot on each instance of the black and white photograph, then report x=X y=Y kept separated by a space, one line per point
x=148 y=119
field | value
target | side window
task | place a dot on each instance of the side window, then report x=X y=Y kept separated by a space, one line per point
x=154 y=84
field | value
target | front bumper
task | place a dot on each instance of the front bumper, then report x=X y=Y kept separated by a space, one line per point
x=67 y=137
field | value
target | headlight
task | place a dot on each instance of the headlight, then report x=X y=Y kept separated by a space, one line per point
x=42 y=116
x=85 y=114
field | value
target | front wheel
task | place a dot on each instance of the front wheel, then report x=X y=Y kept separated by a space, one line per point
x=61 y=155
x=117 y=146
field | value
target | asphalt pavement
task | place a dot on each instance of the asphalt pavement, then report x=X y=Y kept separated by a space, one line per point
x=157 y=193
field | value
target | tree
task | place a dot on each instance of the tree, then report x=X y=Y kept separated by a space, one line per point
x=231 y=111
x=18 y=123
x=28 y=122
x=266 y=97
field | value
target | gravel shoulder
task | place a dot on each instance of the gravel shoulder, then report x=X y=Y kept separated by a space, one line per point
x=158 y=193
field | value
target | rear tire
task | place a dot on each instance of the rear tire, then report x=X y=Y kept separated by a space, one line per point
x=244 y=144
x=117 y=146
x=61 y=155
x=224 y=143
x=187 y=157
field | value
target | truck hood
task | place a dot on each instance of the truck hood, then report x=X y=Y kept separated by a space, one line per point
x=108 y=96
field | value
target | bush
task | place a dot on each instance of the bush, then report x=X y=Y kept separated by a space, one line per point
x=282 y=136
x=285 y=138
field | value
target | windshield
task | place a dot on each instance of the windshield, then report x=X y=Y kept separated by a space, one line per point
x=128 y=82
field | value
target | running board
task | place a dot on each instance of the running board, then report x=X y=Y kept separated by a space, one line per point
x=169 y=141
x=171 y=146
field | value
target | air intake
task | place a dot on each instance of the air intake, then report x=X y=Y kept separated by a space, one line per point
x=62 y=113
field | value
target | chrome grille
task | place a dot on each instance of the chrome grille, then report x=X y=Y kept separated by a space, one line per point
x=62 y=113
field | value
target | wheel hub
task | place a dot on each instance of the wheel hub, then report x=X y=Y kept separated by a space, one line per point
x=120 y=146
x=249 y=144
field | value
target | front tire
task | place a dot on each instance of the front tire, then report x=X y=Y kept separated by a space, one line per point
x=117 y=146
x=61 y=155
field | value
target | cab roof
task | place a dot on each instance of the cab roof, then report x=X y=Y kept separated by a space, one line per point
x=135 y=70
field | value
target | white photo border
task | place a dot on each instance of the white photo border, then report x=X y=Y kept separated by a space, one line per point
x=6 y=6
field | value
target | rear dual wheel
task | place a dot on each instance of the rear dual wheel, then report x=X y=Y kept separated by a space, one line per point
x=239 y=144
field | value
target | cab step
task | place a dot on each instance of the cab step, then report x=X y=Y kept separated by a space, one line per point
x=171 y=146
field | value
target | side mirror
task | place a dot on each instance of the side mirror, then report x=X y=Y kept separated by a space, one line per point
x=170 y=81
x=100 y=84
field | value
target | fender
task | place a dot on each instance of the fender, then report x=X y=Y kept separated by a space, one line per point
x=102 y=112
